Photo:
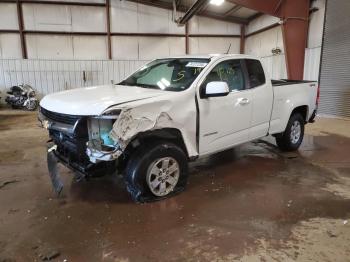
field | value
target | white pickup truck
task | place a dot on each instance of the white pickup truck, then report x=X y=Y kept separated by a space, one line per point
x=169 y=112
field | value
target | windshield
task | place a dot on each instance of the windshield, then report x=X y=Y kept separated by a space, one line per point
x=175 y=74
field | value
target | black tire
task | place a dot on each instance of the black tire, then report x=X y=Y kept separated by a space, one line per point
x=139 y=164
x=284 y=140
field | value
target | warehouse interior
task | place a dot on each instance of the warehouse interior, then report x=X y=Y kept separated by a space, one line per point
x=253 y=202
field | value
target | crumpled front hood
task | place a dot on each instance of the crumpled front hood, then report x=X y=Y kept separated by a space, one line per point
x=94 y=100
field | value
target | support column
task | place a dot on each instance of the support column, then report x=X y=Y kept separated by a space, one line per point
x=21 y=29
x=242 y=43
x=187 y=47
x=108 y=22
x=295 y=33
x=295 y=20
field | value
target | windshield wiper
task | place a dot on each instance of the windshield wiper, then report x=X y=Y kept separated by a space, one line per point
x=123 y=83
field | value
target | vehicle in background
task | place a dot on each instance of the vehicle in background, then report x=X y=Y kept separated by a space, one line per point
x=22 y=96
x=169 y=112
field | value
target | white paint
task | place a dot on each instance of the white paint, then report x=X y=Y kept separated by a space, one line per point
x=156 y=109
x=204 y=25
x=312 y=63
x=262 y=44
x=95 y=99
x=8 y=16
x=10 y=46
x=47 y=17
x=129 y=17
x=94 y=47
x=316 y=25
x=126 y=17
x=54 y=46
x=261 y=22
x=122 y=11
x=152 y=47
x=216 y=88
x=125 y=47
x=213 y=45
x=64 y=18
x=88 y=18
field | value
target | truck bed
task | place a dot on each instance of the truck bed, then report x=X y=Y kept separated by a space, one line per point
x=283 y=82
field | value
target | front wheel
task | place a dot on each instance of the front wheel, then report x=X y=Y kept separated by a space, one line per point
x=292 y=137
x=156 y=171
x=31 y=104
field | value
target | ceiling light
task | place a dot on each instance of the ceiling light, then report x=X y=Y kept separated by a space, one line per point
x=217 y=2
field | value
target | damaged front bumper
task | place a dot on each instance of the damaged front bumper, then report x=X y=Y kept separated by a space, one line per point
x=80 y=170
x=72 y=145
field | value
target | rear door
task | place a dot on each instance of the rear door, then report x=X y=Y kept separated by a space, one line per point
x=225 y=121
x=262 y=98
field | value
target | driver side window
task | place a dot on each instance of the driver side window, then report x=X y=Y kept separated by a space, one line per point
x=229 y=71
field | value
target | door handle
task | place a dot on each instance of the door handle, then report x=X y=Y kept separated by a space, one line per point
x=244 y=101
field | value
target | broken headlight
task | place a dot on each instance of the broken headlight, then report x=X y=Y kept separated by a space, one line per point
x=99 y=129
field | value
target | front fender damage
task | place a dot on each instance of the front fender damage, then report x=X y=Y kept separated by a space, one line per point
x=129 y=123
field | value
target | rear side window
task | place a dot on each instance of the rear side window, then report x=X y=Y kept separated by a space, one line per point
x=256 y=73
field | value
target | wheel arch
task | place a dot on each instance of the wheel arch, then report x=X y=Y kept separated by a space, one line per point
x=149 y=137
x=303 y=110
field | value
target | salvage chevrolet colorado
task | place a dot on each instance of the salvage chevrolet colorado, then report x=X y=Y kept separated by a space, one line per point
x=169 y=112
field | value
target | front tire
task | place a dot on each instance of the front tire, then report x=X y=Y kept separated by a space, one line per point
x=31 y=105
x=292 y=137
x=156 y=172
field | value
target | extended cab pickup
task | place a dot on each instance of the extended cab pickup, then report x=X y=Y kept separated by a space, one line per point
x=169 y=112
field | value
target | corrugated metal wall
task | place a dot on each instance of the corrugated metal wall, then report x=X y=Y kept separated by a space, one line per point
x=335 y=68
x=48 y=76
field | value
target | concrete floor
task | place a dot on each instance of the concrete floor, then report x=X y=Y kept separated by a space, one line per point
x=252 y=203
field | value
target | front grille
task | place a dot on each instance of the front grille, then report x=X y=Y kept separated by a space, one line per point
x=61 y=118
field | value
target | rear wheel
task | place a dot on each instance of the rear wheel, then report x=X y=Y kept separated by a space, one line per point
x=292 y=137
x=156 y=171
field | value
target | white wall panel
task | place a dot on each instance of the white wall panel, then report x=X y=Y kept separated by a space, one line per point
x=275 y=66
x=213 y=45
x=125 y=47
x=10 y=46
x=261 y=22
x=262 y=44
x=137 y=18
x=204 y=25
x=152 y=19
x=90 y=47
x=173 y=27
x=316 y=25
x=49 y=46
x=64 y=18
x=124 y=17
x=176 y=46
x=47 y=17
x=88 y=18
x=312 y=63
x=8 y=16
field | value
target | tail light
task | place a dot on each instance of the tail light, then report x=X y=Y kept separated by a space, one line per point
x=318 y=95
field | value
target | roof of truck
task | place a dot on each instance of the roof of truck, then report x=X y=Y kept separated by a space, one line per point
x=214 y=56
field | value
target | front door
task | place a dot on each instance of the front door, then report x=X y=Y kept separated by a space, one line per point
x=225 y=121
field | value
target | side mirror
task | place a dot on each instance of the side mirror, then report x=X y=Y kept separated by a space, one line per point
x=216 y=88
